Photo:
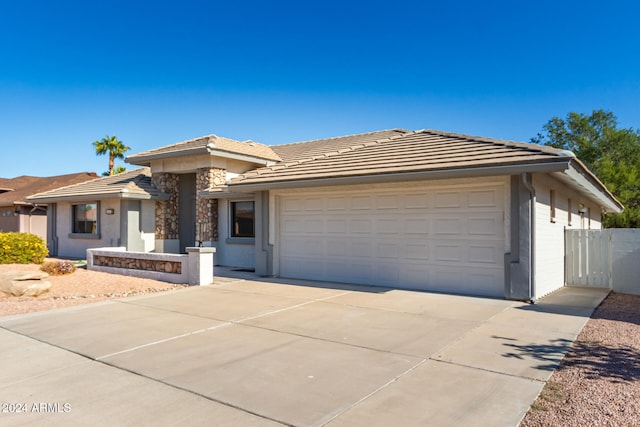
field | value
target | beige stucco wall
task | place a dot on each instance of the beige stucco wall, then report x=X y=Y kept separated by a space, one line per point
x=76 y=247
x=189 y=164
x=549 y=251
x=229 y=252
x=147 y=223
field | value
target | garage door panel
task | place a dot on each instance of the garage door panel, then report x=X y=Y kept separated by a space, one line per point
x=292 y=226
x=387 y=202
x=360 y=226
x=451 y=199
x=313 y=204
x=305 y=246
x=387 y=250
x=360 y=248
x=361 y=202
x=349 y=272
x=484 y=198
x=437 y=239
x=387 y=274
x=486 y=254
x=387 y=226
x=337 y=203
x=484 y=226
x=291 y=204
x=413 y=225
x=416 y=201
x=336 y=225
x=314 y=225
x=303 y=268
x=448 y=252
x=417 y=251
x=448 y=226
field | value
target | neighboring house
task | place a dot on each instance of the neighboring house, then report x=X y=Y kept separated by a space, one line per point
x=411 y=209
x=116 y=210
x=19 y=215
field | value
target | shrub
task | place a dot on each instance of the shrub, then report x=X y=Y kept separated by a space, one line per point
x=22 y=248
x=58 y=268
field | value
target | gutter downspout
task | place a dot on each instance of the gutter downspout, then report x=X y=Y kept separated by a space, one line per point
x=527 y=181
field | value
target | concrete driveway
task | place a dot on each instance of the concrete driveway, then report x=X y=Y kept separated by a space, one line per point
x=260 y=353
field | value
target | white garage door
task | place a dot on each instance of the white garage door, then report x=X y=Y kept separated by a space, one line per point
x=438 y=237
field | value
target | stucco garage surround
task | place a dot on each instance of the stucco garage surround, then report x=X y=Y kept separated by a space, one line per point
x=442 y=235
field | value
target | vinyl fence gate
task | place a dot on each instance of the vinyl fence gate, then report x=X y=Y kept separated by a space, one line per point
x=608 y=258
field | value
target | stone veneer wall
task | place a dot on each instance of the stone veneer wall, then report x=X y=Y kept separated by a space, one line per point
x=167 y=210
x=207 y=209
x=138 y=264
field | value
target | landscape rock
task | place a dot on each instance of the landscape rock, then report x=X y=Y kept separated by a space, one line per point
x=24 y=284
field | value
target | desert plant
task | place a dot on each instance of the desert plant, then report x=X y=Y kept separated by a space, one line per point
x=22 y=248
x=58 y=268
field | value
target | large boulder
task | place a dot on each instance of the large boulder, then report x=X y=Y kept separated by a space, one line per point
x=24 y=284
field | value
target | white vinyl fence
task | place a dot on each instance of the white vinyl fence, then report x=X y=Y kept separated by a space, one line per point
x=607 y=258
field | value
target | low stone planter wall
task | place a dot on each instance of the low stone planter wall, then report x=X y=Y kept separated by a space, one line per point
x=196 y=268
x=160 y=266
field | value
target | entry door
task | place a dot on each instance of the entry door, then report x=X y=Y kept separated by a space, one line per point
x=187 y=214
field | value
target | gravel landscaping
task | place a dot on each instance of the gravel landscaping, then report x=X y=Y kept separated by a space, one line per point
x=80 y=287
x=598 y=381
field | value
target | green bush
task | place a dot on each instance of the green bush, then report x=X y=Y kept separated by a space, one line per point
x=22 y=248
x=58 y=268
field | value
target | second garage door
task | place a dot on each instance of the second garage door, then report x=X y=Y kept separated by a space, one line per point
x=442 y=237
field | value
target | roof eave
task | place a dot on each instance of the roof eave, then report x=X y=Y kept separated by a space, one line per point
x=590 y=184
x=243 y=157
x=511 y=169
x=145 y=160
x=98 y=196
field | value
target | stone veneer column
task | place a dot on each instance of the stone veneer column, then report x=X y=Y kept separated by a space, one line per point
x=167 y=210
x=207 y=209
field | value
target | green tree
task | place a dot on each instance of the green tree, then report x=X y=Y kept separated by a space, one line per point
x=611 y=152
x=116 y=149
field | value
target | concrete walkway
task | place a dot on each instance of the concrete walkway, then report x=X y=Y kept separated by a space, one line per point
x=259 y=353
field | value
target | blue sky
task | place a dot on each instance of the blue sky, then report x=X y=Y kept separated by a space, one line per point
x=156 y=73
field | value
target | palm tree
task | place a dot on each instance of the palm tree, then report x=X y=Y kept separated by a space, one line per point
x=116 y=171
x=115 y=148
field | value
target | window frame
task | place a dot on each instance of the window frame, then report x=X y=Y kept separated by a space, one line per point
x=74 y=234
x=235 y=235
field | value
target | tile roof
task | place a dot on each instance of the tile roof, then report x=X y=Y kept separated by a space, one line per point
x=135 y=184
x=401 y=152
x=19 y=188
x=202 y=145
x=309 y=149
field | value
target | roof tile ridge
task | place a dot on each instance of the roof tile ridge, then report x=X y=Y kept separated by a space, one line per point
x=496 y=141
x=284 y=165
x=360 y=145
x=341 y=136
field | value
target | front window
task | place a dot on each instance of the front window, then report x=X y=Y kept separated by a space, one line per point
x=85 y=218
x=242 y=217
